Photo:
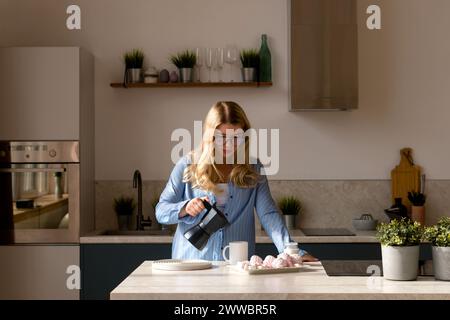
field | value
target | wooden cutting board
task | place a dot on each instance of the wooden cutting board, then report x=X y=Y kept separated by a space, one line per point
x=405 y=177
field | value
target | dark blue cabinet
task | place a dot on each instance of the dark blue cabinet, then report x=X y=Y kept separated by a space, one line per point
x=104 y=266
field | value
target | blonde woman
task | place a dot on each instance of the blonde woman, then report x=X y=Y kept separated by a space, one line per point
x=237 y=189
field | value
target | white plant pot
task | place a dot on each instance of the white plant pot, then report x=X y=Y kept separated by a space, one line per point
x=400 y=263
x=441 y=263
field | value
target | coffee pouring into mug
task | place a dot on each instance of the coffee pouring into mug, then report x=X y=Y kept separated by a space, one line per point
x=212 y=221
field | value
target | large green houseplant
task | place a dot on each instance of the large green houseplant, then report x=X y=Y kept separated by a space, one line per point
x=400 y=243
x=439 y=236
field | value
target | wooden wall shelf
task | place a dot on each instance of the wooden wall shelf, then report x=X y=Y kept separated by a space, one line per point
x=193 y=85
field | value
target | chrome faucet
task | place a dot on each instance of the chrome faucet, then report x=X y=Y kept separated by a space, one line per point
x=141 y=222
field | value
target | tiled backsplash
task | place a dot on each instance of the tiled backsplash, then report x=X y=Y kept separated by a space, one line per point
x=326 y=203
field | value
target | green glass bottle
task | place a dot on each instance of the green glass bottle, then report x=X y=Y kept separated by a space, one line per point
x=265 y=61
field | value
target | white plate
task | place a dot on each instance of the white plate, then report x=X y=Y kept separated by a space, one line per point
x=181 y=265
x=267 y=270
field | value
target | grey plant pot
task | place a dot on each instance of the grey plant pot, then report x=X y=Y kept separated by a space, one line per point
x=441 y=263
x=186 y=75
x=134 y=75
x=248 y=74
x=124 y=222
x=289 y=221
x=400 y=263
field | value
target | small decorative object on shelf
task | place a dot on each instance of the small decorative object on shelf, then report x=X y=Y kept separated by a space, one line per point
x=134 y=61
x=417 y=200
x=124 y=207
x=164 y=76
x=265 y=61
x=439 y=236
x=400 y=240
x=173 y=77
x=250 y=64
x=151 y=75
x=290 y=207
x=185 y=62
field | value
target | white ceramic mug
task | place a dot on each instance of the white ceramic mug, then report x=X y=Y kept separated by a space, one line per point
x=238 y=252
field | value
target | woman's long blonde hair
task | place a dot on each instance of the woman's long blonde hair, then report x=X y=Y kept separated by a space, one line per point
x=203 y=173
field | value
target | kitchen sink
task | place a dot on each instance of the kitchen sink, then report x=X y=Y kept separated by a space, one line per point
x=136 y=233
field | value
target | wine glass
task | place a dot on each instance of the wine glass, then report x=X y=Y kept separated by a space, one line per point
x=220 y=61
x=199 y=57
x=231 y=57
x=211 y=60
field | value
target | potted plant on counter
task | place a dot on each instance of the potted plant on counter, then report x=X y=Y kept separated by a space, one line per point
x=250 y=63
x=185 y=62
x=400 y=243
x=417 y=200
x=290 y=207
x=124 y=207
x=439 y=236
x=134 y=60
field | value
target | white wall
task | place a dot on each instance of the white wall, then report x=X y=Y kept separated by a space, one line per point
x=404 y=77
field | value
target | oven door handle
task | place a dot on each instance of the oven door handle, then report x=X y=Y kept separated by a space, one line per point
x=19 y=170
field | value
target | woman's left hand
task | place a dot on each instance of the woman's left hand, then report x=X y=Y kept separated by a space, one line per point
x=309 y=258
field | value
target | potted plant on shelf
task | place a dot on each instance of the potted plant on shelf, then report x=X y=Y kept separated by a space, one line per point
x=290 y=207
x=250 y=63
x=400 y=242
x=439 y=236
x=417 y=200
x=134 y=61
x=185 y=62
x=124 y=207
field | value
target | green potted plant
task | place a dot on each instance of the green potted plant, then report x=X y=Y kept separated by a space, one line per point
x=417 y=200
x=250 y=63
x=290 y=207
x=134 y=61
x=124 y=207
x=439 y=236
x=185 y=62
x=400 y=242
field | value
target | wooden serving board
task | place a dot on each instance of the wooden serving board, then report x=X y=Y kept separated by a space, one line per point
x=405 y=177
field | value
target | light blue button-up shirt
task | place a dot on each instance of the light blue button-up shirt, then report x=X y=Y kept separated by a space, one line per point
x=239 y=210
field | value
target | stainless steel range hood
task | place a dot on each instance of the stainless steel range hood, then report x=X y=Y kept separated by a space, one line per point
x=323 y=55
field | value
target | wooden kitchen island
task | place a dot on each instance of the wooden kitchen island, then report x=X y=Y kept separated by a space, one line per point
x=224 y=282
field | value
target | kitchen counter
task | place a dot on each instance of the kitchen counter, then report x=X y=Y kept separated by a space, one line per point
x=261 y=237
x=224 y=282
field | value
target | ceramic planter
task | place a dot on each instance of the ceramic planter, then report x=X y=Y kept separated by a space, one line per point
x=400 y=262
x=441 y=263
x=186 y=74
x=289 y=220
x=418 y=214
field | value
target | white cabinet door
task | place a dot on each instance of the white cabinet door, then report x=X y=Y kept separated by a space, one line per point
x=39 y=272
x=39 y=93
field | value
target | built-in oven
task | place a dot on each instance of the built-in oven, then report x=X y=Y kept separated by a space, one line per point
x=40 y=193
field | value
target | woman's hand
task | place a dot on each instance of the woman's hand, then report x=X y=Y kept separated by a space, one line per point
x=309 y=258
x=193 y=207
